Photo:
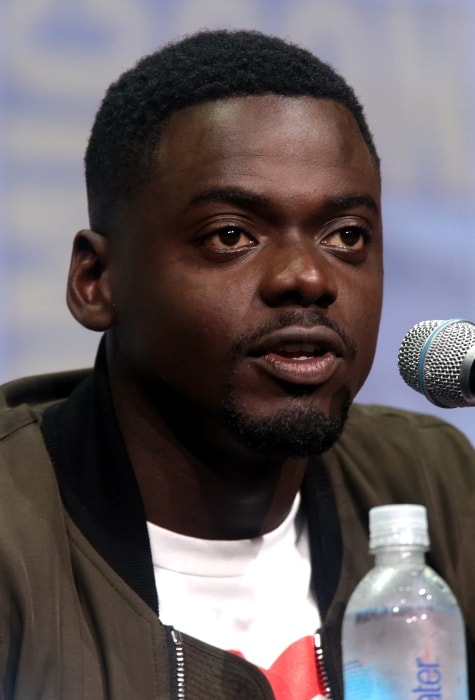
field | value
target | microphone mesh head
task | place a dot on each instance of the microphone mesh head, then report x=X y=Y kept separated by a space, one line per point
x=436 y=359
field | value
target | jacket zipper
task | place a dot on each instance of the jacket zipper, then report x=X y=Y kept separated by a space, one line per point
x=179 y=658
x=321 y=669
x=180 y=664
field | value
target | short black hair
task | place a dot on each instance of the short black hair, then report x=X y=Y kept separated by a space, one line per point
x=204 y=66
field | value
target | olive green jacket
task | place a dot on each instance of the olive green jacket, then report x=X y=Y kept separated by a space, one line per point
x=71 y=627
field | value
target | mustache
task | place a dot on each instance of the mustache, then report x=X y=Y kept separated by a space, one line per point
x=305 y=318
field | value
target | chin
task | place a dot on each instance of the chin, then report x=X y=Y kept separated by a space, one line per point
x=298 y=430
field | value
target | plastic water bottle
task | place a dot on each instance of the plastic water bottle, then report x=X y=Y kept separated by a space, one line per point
x=403 y=633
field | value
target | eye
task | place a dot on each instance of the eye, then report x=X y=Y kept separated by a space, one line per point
x=229 y=238
x=348 y=238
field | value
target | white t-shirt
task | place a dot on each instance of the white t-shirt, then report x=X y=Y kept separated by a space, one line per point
x=249 y=596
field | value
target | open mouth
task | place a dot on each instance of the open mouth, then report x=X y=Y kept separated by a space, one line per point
x=302 y=366
x=300 y=355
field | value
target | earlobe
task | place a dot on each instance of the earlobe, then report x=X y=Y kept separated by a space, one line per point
x=88 y=293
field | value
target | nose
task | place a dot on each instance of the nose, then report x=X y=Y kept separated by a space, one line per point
x=299 y=274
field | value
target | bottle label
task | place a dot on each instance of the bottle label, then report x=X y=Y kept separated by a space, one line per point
x=410 y=655
x=362 y=682
x=429 y=680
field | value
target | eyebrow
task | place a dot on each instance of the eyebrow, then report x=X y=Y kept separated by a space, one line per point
x=231 y=195
x=355 y=200
x=250 y=199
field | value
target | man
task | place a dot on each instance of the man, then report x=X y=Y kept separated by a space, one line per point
x=189 y=519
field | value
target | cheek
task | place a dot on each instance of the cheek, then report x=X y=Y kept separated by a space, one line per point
x=366 y=342
x=362 y=311
x=181 y=331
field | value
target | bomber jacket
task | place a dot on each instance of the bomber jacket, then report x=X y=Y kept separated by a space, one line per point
x=79 y=615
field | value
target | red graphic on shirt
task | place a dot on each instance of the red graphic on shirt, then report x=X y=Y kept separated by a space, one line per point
x=293 y=676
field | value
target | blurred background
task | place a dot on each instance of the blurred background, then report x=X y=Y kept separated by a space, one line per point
x=411 y=62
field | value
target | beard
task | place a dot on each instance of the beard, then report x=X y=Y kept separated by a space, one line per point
x=300 y=431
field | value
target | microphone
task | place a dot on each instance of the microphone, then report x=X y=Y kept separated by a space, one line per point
x=437 y=359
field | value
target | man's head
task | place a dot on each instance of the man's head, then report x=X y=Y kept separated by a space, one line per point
x=205 y=66
x=237 y=262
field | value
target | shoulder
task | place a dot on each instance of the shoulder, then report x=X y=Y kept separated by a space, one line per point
x=22 y=447
x=390 y=414
x=22 y=403
x=398 y=428
x=40 y=390
x=395 y=450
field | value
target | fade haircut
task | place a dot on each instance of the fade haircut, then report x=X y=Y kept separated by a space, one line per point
x=205 y=66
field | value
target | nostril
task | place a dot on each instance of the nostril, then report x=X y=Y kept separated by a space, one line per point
x=324 y=301
x=296 y=298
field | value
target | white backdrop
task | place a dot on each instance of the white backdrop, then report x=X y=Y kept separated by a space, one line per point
x=410 y=61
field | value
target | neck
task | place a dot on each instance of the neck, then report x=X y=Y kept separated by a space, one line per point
x=187 y=497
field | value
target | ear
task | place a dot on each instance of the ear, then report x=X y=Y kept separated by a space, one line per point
x=88 y=293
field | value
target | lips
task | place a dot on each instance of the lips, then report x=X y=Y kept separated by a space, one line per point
x=301 y=355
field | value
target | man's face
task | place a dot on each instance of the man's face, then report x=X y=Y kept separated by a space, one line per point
x=248 y=276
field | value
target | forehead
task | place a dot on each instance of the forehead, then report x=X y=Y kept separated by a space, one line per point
x=288 y=149
x=234 y=134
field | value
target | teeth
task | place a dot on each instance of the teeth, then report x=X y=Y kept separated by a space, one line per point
x=297 y=351
x=303 y=350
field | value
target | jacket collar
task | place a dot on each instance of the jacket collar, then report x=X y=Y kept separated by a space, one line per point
x=97 y=482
